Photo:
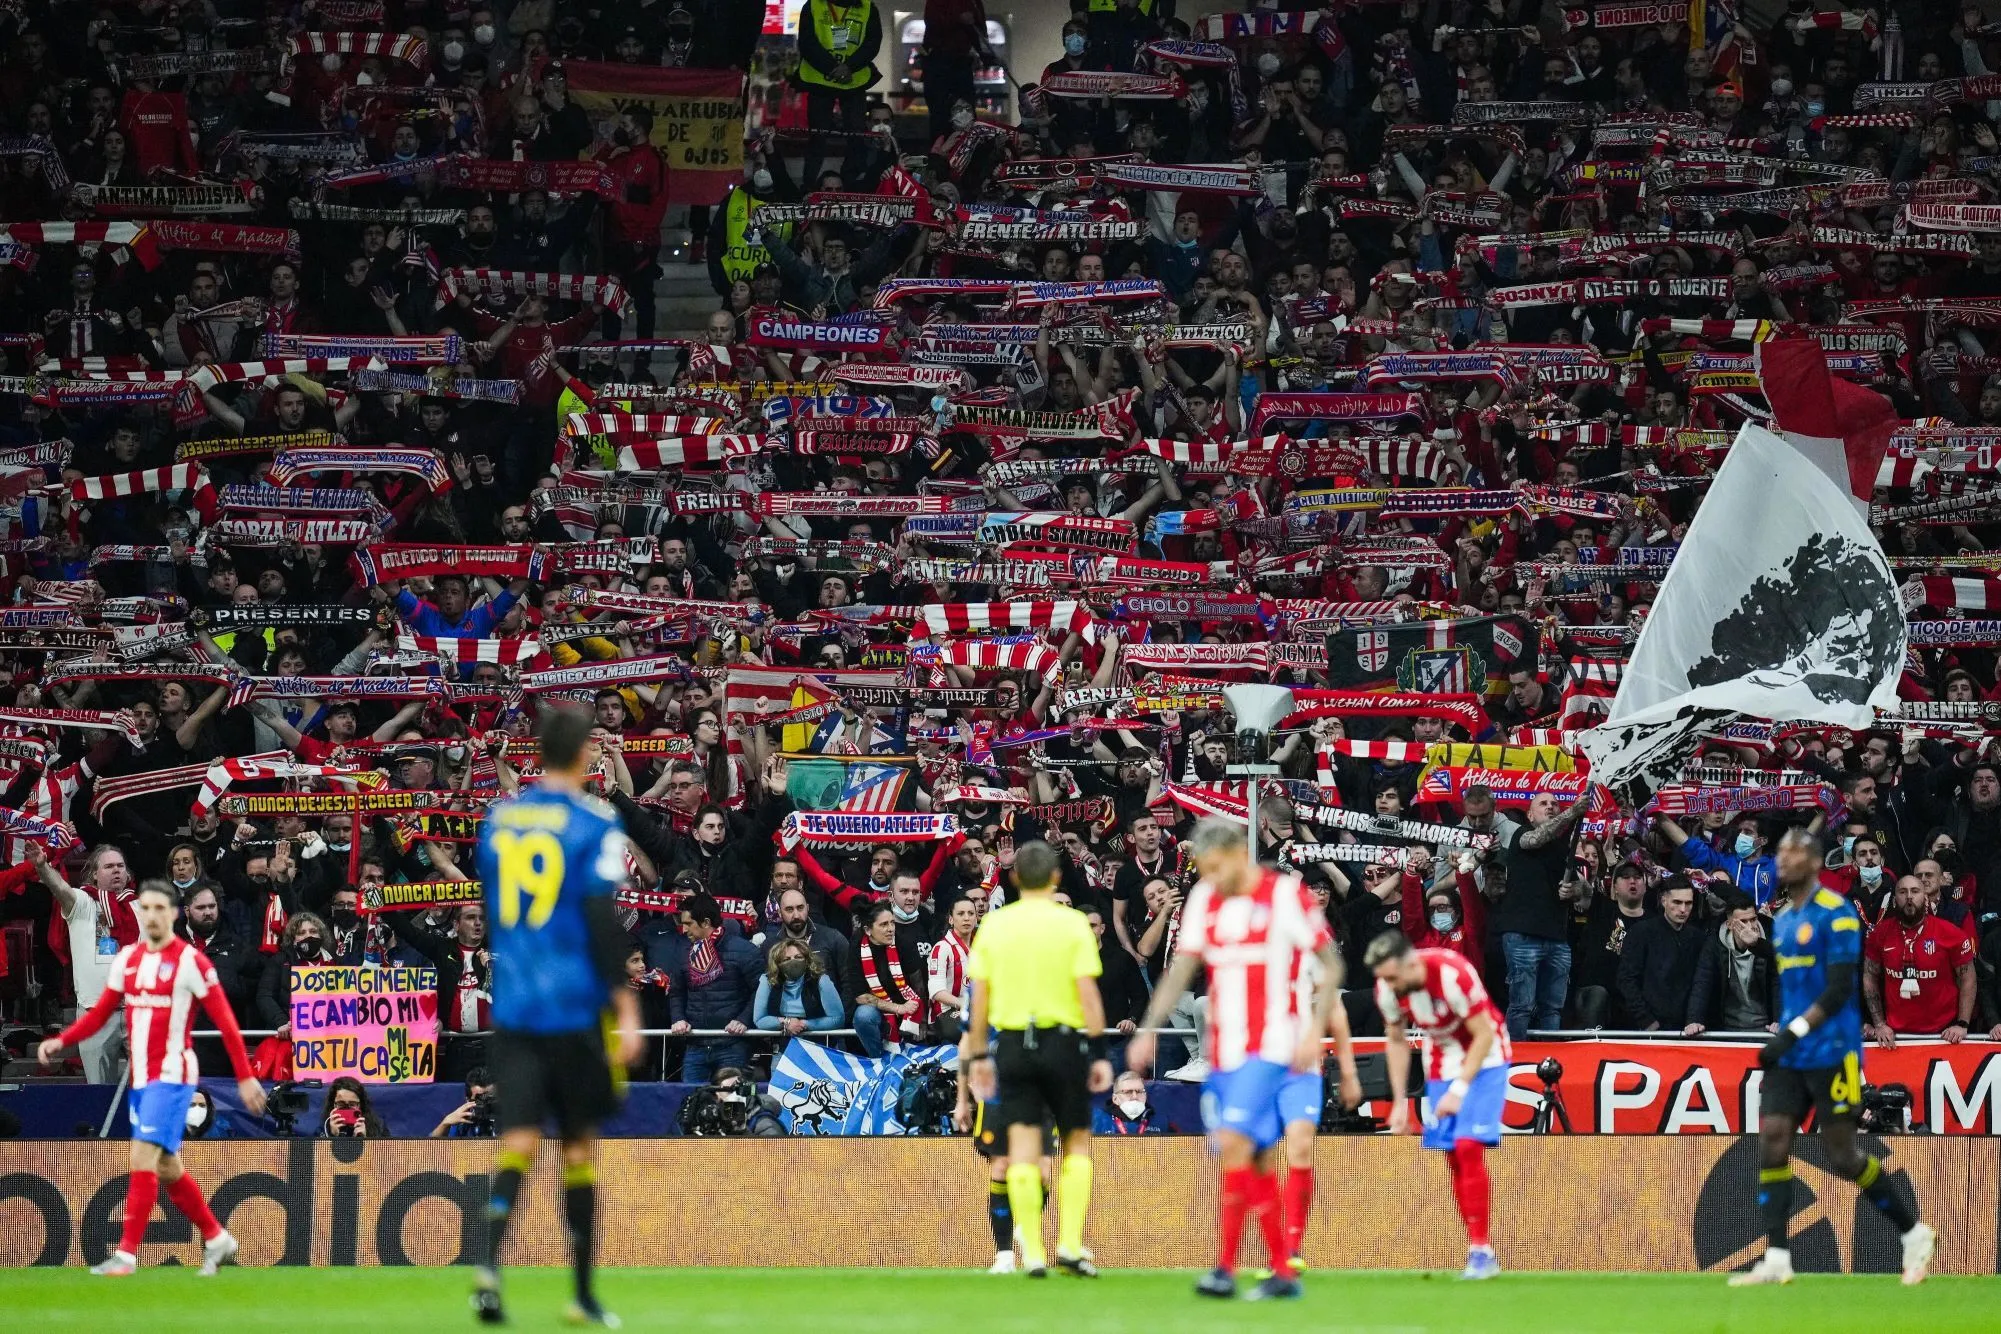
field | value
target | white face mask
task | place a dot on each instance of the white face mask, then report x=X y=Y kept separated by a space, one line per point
x=1869 y=875
x=760 y=180
x=455 y=51
x=1267 y=64
x=1132 y=1108
x=198 y=1114
x=961 y=119
x=364 y=79
x=330 y=62
x=483 y=34
x=1441 y=921
x=903 y=914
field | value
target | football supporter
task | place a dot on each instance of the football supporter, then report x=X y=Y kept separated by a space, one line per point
x=1917 y=972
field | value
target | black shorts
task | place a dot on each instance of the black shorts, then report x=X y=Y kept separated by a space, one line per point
x=990 y=1133
x=561 y=1077
x=1046 y=1082
x=1829 y=1093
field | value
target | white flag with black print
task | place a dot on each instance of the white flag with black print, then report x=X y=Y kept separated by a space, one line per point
x=1779 y=605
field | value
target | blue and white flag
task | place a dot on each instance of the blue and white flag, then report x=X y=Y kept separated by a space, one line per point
x=821 y=1091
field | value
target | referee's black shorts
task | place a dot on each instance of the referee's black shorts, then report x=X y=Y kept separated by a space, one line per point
x=1046 y=1082
x=564 y=1078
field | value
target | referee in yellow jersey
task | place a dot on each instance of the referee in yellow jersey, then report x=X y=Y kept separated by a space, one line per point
x=1034 y=967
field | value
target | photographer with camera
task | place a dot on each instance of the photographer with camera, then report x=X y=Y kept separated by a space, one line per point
x=349 y=1113
x=729 y=1106
x=473 y=1118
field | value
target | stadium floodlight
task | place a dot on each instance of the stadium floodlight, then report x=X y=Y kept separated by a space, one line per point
x=1259 y=709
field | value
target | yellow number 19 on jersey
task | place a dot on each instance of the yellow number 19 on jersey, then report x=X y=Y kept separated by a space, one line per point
x=530 y=861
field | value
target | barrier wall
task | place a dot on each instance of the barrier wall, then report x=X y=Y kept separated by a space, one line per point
x=1678 y=1202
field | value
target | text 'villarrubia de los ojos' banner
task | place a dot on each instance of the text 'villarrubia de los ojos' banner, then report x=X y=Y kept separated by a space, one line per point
x=697 y=119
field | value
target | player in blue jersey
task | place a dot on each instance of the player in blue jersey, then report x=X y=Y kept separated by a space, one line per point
x=551 y=860
x=1814 y=1062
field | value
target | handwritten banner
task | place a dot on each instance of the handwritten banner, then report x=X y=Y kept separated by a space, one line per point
x=377 y=1025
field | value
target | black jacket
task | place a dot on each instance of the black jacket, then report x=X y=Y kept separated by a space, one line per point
x=227 y=949
x=1657 y=971
x=1712 y=975
x=443 y=952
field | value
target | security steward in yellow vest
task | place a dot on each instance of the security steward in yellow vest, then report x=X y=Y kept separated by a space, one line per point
x=838 y=43
x=733 y=257
x=1034 y=968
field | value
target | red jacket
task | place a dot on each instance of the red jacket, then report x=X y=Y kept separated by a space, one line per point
x=518 y=354
x=157 y=125
x=635 y=216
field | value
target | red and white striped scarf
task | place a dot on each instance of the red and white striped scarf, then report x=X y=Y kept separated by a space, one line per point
x=1943 y=591
x=986 y=655
x=639 y=423
x=685 y=450
x=204 y=378
x=456 y=649
x=579 y=287
x=472 y=1007
x=960 y=618
x=173 y=477
x=871 y=969
x=394 y=46
x=1588 y=687
x=224 y=773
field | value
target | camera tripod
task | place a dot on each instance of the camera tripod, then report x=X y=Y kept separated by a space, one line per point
x=1552 y=1102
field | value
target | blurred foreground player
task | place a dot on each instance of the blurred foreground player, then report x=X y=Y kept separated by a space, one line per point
x=551 y=859
x=1814 y=1063
x=1437 y=992
x=158 y=981
x=1264 y=940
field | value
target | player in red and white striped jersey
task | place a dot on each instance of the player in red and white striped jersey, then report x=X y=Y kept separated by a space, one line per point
x=1437 y=992
x=1273 y=974
x=158 y=981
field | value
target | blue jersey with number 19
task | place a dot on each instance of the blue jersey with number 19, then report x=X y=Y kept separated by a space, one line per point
x=1824 y=930
x=541 y=854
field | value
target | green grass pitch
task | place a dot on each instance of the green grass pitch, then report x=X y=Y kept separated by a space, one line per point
x=833 y=1301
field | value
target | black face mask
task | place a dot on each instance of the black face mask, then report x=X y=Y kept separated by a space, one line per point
x=305 y=948
x=345 y=917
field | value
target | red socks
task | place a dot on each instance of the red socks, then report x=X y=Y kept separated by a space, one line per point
x=140 y=1193
x=1246 y=1191
x=187 y=1197
x=1239 y=1193
x=1271 y=1221
x=1298 y=1202
x=1470 y=1186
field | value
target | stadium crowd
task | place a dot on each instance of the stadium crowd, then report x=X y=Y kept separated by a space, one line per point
x=1383 y=353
